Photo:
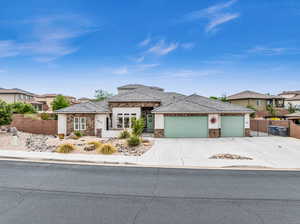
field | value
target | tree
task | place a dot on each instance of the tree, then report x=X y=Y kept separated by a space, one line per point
x=223 y=98
x=22 y=108
x=291 y=108
x=5 y=113
x=271 y=110
x=252 y=115
x=60 y=102
x=138 y=126
x=101 y=94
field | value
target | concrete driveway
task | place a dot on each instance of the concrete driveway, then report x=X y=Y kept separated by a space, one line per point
x=275 y=152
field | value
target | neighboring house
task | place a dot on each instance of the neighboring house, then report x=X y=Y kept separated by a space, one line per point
x=18 y=95
x=48 y=99
x=166 y=114
x=83 y=100
x=291 y=98
x=256 y=100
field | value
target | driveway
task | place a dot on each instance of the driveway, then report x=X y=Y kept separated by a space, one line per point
x=275 y=152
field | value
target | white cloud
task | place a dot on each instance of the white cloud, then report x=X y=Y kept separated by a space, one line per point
x=51 y=38
x=163 y=48
x=145 y=42
x=215 y=15
x=191 y=73
x=269 y=51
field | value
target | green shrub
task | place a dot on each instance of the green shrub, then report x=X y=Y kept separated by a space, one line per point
x=45 y=116
x=32 y=116
x=107 y=149
x=78 y=134
x=5 y=113
x=138 y=126
x=124 y=134
x=65 y=148
x=134 y=141
x=60 y=102
x=96 y=144
x=22 y=108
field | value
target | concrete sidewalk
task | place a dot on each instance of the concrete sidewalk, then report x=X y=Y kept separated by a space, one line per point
x=266 y=152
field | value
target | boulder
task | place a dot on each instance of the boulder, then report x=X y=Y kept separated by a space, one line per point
x=89 y=148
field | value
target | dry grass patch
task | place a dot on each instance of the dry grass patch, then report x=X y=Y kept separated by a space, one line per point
x=96 y=144
x=65 y=148
x=107 y=149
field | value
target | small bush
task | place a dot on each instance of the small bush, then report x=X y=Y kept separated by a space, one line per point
x=138 y=126
x=32 y=116
x=96 y=144
x=45 y=116
x=134 y=141
x=107 y=149
x=65 y=148
x=61 y=136
x=124 y=134
x=78 y=134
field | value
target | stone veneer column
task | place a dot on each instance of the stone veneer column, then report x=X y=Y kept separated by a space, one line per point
x=214 y=133
x=247 y=132
x=159 y=133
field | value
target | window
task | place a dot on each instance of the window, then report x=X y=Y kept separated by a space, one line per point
x=258 y=102
x=79 y=123
x=125 y=120
x=120 y=121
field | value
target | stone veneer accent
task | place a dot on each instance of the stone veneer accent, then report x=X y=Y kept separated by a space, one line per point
x=159 y=133
x=214 y=133
x=247 y=132
x=90 y=123
x=134 y=104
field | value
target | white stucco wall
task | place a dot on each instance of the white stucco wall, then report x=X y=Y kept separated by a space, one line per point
x=159 y=122
x=123 y=110
x=247 y=121
x=295 y=103
x=62 y=124
x=100 y=122
x=215 y=125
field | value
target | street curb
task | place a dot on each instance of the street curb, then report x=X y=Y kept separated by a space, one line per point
x=127 y=164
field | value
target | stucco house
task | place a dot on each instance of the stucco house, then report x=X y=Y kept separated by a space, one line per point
x=19 y=95
x=256 y=100
x=291 y=98
x=48 y=98
x=166 y=114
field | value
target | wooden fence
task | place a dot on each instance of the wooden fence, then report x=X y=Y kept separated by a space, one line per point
x=26 y=124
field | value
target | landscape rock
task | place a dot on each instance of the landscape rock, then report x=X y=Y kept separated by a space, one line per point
x=229 y=156
x=89 y=148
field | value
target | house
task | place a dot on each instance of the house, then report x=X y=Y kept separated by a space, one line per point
x=291 y=98
x=258 y=101
x=18 y=95
x=48 y=99
x=166 y=114
x=295 y=117
x=83 y=100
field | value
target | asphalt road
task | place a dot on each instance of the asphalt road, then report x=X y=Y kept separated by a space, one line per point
x=36 y=193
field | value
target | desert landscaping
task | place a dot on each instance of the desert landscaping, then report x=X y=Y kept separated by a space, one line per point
x=12 y=139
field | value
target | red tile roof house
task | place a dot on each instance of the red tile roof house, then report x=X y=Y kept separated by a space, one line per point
x=166 y=114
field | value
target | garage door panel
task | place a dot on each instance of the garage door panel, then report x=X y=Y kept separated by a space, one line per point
x=186 y=127
x=232 y=126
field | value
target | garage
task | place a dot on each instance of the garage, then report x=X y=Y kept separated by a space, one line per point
x=186 y=126
x=232 y=126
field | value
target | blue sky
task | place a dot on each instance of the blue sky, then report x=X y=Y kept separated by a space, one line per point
x=207 y=47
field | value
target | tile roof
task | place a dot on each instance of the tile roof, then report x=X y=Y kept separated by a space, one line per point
x=297 y=114
x=297 y=97
x=170 y=102
x=15 y=90
x=199 y=104
x=251 y=95
x=290 y=92
x=88 y=107
x=135 y=86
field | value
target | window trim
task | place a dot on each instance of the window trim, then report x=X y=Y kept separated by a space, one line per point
x=80 y=122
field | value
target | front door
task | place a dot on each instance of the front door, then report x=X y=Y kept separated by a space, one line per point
x=149 y=122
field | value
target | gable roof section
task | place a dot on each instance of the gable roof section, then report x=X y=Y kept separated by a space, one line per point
x=15 y=91
x=251 y=95
x=88 y=107
x=199 y=104
x=146 y=94
x=296 y=92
